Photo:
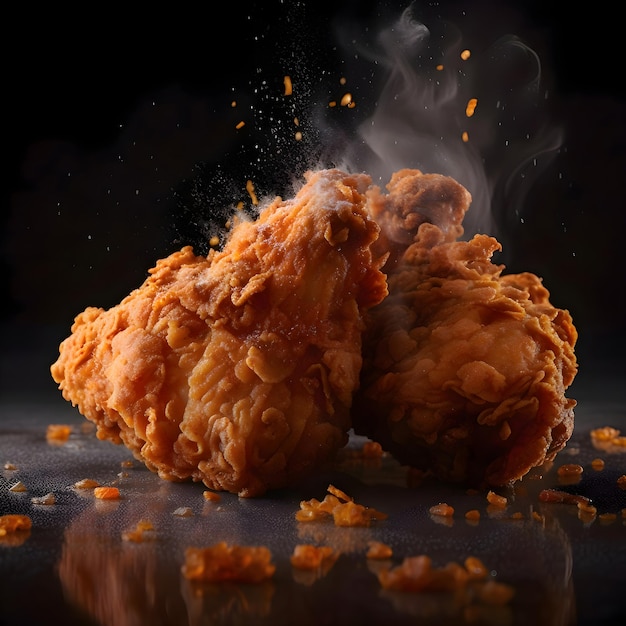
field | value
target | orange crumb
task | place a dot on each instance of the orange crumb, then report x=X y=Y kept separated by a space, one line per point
x=465 y=55
x=126 y=463
x=372 y=450
x=250 y=190
x=342 y=80
x=621 y=481
x=537 y=516
x=473 y=514
x=233 y=104
x=442 y=509
x=497 y=501
x=346 y=100
x=14 y=523
x=570 y=469
x=606 y=433
x=211 y=496
x=465 y=136
x=240 y=125
x=496 y=593
x=310 y=557
x=469 y=111
x=224 y=563
x=18 y=487
x=475 y=568
x=517 y=515
x=597 y=464
x=298 y=136
x=58 y=432
x=332 y=103
x=555 y=495
x=378 y=550
x=439 y=67
x=214 y=241
x=607 y=518
x=288 y=85
x=338 y=505
x=86 y=483
x=138 y=534
x=10 y=466
x=106 y=493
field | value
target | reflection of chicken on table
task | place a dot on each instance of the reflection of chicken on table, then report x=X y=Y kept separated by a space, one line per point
x=242 y=369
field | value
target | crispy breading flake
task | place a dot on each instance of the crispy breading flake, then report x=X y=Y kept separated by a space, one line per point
x=224 y=563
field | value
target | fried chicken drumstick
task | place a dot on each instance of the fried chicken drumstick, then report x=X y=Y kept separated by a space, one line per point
x=465 y=369
x=238 y=369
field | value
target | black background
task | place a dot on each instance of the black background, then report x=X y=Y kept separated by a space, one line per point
x=80 y=226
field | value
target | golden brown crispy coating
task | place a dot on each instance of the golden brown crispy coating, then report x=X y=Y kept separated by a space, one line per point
x=465 y=369
x=238 y=369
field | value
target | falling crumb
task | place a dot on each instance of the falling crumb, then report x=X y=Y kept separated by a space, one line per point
x=10 y=466
x=497 y=501
x=469 y=111
x=442 y=509
x=465 y=54
x=233 y=104
x=465 y=136
x=378 y=550
x=211 y=496
x=58 y=432
x=183 y=511
x=298 y=136
x=439 y=67
x=473 y=515
x=86 y=483
x=251 y=192
x=288 y=85
x=332 y=104
x=224 y=563
x=346 y=100
x=48 y=499
x=18 y=487
x=214 y=241
x=106 y=493
x=537 y=516
x=240 y=125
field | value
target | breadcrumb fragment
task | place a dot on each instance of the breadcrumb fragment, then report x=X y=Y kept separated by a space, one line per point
x=183 y=511
x=106 y=493
x=48 y=499
x=496 y=500
x=10 y=466
x=86 y=483
x=18 y=487
x=621 y=481
x=341 y=507
x=140 y=533
x=442 y=509
x=309 y=557
x=58 y=432
x=378 y=550
x=224 y=563
x=211 y=496
x=14 y=523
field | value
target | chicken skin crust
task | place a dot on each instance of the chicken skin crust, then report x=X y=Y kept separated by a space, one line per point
x=464 y=369
x=238 y=369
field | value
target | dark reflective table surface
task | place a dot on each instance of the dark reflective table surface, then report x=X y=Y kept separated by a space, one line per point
x=74 y=567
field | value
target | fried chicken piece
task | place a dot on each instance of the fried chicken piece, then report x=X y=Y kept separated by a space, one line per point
x=465 y=369
x=238 y=369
